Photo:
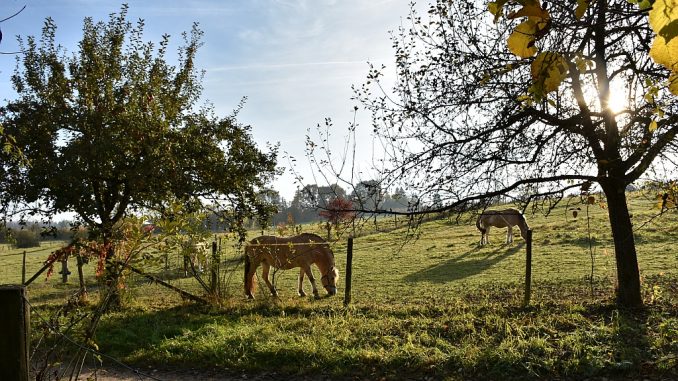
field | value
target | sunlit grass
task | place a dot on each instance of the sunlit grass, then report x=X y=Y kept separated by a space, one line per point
x=438 y=305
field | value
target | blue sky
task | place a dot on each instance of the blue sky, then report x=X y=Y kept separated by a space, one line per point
x=295 y=60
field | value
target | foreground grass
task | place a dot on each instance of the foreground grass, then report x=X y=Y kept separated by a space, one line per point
x=480 y=334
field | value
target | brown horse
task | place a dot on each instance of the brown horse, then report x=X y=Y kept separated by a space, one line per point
x=301 y=251
x=507 y=218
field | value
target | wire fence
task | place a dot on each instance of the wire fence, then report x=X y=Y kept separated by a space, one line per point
x=65 y=368
x=60 y=350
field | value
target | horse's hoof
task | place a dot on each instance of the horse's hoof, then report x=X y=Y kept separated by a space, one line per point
x=302 y=294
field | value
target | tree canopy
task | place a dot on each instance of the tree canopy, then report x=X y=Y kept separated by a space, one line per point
x=114 y=128
x=485 y=106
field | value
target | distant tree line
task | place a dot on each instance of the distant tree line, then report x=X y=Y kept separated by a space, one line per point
x=310 y=201
x=30 y=234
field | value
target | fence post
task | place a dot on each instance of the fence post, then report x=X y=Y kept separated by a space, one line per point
x=15 y=324
x=528 y=268
x=349 y=271
x=23 y=269
x=81 y=278
x=214 y=281
x=64 y=270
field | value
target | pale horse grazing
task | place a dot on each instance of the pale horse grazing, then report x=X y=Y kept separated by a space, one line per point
x=507 y=218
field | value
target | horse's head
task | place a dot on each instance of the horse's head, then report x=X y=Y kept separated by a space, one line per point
x=329 y=280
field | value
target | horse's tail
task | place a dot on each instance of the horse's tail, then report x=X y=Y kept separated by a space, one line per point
x=250 y=283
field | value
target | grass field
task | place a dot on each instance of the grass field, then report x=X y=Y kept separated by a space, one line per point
x=438 y=306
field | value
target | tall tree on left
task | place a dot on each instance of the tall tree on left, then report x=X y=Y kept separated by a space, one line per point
x=114 y=128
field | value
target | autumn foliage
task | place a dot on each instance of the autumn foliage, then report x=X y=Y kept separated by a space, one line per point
x=339 y=210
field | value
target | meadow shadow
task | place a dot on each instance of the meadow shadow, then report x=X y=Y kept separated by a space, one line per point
x=460 y=267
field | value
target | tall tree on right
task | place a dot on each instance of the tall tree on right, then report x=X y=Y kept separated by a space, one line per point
x=513 y=98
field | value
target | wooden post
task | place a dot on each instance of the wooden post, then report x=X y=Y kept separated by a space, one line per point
x=64 y=270
x=15 y=324
x=214 y=280
x=528 y=268
x=81 y=278
x=23 y=269
x=349 y=271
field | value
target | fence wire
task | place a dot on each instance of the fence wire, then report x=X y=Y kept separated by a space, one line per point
x=88 y=350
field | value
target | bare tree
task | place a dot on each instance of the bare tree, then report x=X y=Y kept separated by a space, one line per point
x=469 y=121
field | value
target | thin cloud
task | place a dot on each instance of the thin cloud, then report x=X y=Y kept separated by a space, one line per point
x=283 y=66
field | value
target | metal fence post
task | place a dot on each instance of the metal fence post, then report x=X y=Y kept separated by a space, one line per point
x=15 y=323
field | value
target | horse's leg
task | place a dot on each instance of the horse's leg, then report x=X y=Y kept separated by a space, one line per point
x=307 y=269
x=487 y=235
x=301 y=282
x=509 y=234
x=250 y=273
x=265 y=267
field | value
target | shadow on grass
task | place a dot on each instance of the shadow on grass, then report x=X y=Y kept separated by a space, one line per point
x=481 y=338
x=468 y=264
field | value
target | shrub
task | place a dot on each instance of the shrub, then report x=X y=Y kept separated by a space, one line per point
x=26 y=238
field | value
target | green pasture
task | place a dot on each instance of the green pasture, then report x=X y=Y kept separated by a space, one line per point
x=429 y=302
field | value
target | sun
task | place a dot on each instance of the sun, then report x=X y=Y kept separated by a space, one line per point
x=617 y=101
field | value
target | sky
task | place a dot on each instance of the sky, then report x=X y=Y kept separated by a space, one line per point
x=294 y=60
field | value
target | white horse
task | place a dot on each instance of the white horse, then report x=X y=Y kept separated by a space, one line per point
x=197 y=255
x=507 y=218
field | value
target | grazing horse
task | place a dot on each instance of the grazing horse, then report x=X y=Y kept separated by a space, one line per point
x=507 y=218
x=196 y=256
x=301 y=251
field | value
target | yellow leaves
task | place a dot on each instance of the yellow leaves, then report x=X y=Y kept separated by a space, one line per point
x=583 y=64
x=653 y=126
x=496 y=8
x=521 y=41
x=531 y=9
x=549 y=69
x=666 y=200
x=664 y=21
x=664 y=18
x=665 y=54
x=582 y=6
x=673 y=82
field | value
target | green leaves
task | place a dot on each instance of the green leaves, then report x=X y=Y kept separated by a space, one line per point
x=115 y=126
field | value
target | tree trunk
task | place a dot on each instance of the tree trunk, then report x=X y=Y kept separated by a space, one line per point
x=112 y=276
x=628 y=276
